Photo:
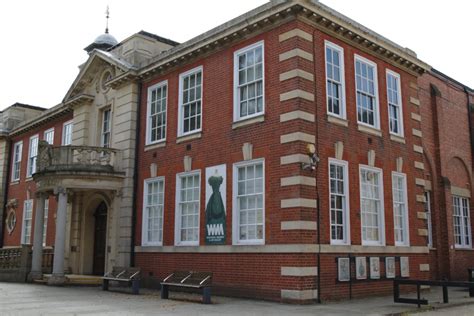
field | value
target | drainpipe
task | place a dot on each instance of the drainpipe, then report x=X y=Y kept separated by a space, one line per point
x=135 y=177
x=5 y=194
x=316 y=145
x=470 y=114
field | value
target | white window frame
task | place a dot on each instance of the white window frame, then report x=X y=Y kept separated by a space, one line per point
x=429 y=217
x=49 y=132
x=237 y=53
x=236 y=215
x=177 y=230
x=465 y=222
x=376 y=91
x=406 y=227
x=340 y=50
x=45 y=221
x=16 y=165
x=400 y=103
x=145 y=217
x=180 y=101
x=381 y=223
x=103 y=132
x=159 y=85
x=63 y=136
x=346 y=217
x=26 y=226
x=32 y=160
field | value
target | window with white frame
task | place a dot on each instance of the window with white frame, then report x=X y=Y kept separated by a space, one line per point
x=462 y=222
x=67 y=133
x=26 y=227
x=153 y=203
x=394 y=98
x=339 y=202
x=366 y=92
x=190 y=101
x=335 y=79
x=371 y=206
x=428 y=218
x=249 y=100
x=45 y=223
x=17 y=152
x=400 y=209
x=32 y=155
x=49 y=136
x=106 y=127
x=156 y=110
x=249 y=202
x=188 y=187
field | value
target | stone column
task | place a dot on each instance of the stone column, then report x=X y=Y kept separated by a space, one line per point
x=58 y=277
x=36 y=264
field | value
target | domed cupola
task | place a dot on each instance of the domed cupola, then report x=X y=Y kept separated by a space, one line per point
x=104 y=41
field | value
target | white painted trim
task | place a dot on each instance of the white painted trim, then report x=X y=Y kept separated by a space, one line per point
x=145 y=241
x=381 y=223
x=180 y=100
x=63 y=135
x=400 y=105
x=28 y=173
x=406 y=233
x=148 y=111
x=236 y=111
x=328 y=44
x=347 y=220
x=376 y=90
x=235 y=216
x=177 y=220
x=20 y=154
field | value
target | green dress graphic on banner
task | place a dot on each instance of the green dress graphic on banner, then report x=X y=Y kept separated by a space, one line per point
x=215 y=213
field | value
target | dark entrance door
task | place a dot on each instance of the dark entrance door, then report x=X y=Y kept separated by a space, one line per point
x=100 y=234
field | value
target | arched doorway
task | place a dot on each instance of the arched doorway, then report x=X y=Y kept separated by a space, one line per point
x=100 y=238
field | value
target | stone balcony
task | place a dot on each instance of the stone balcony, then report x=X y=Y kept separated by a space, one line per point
x=78 y=167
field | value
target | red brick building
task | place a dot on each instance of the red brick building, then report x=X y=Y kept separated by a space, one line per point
x=292 y=152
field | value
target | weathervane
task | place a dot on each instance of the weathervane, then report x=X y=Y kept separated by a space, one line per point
x=107 y=21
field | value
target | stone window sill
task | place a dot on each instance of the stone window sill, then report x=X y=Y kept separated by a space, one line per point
x=369 y=130
x=397 y=138
x=155 y=145
x=186 y=138
x=250 y=121
x=337 y=120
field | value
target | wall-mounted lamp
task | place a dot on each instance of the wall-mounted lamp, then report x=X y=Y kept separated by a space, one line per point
x=313 y=158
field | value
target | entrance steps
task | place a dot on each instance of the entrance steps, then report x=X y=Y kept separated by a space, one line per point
x=74 y=279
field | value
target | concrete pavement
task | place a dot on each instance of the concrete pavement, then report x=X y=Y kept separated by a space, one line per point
x=36 y=299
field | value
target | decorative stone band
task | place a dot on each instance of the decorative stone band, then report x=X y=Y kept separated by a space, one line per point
x=299 y=271
x=299 y=295
x=296 y=73
x=296 y=115
x=298 y=180
x=422 y=232
x=460 y=192
x=428 y=185
x=420 y=198
x=416 y=117
x=414 y=101
x=283 y=248
x=295 y=158
x=297 y=52
x=413 y=85
x=417 y=132
x=297 y=136
x=295 y=33
x=422 y=215
x=299 y=225
x=296 y=94
x=419 y=165
x=337 y=120
x=418 y=149
x=424 y=267
x=298 y=202
x=420 y=182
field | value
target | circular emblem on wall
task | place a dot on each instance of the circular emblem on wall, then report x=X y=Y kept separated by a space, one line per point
x=11 y=221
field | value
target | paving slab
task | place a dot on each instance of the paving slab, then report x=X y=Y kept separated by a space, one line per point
x=37 y=299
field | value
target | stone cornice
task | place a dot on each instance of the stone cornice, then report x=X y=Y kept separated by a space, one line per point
x=274 y=13
x=80 y=99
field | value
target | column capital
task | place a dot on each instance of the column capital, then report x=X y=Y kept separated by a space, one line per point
x=60 y=190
